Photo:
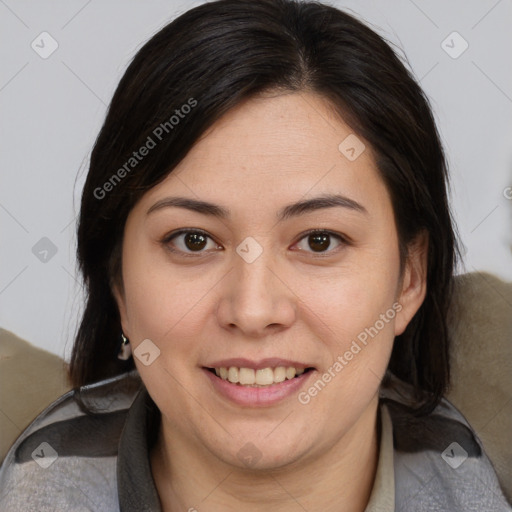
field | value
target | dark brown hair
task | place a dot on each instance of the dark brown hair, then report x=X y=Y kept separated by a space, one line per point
x=215 y=56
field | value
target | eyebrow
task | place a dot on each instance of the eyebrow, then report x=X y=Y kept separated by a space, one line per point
x=289 y=211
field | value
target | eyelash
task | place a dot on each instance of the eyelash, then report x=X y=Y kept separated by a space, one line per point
x=167 y=239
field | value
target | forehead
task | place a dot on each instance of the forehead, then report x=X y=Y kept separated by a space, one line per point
x=288 y=131
x=276 y=148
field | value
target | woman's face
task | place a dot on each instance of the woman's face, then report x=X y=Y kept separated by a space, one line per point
x=255 y=291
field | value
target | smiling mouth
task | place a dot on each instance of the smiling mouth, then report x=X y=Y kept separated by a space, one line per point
x=261 y=378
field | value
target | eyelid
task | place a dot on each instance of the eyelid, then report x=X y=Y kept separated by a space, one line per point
x=343 y=239
x=181 y=231
x=167 y=238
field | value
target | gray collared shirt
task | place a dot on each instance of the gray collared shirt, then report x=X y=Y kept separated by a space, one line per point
x=72 y=459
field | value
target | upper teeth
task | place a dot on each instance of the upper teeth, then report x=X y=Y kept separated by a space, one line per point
x=262 y=377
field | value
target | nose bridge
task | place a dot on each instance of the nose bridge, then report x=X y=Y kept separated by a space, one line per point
x=253 y=274
x=256 y=298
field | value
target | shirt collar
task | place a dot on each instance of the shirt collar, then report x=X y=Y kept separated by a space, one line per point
x=135 y=484
x=382 y=498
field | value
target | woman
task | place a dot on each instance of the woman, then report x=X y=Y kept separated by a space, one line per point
x=268 y=251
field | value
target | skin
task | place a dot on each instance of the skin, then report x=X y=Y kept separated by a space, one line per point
x=291 y=302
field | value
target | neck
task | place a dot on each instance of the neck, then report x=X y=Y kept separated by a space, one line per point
x=342 y=475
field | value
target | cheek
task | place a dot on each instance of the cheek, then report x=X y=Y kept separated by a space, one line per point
x=159 y=299
x=356 y=324
x=354 y=311
x=352 y=298
x=166 y=309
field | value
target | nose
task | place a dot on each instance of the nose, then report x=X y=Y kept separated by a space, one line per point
x=256 y=300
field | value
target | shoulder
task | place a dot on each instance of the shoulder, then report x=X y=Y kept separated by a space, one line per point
x=66 y=458
x=439 y=461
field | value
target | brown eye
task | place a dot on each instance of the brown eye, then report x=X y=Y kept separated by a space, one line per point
x=189 y=242
x=195 y=241
x=320 y=242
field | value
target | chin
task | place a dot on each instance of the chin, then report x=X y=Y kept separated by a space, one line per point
x=257 y=454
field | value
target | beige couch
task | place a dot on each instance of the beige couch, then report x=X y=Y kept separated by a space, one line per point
x=481 y=322
x=30 y=379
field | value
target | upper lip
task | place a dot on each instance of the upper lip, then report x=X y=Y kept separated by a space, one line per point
x=269 y=362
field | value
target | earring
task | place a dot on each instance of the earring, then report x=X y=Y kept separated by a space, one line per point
x=125 y=351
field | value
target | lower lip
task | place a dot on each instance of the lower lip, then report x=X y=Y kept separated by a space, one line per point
x=257 y=397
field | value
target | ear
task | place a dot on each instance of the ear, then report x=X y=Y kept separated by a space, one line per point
x=118 y=293
x=413 y=285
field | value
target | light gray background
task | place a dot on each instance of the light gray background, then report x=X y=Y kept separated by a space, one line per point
x=52 y=109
